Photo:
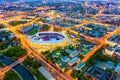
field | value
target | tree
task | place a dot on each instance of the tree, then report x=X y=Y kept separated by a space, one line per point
x=16 y=51
x=9 y=76
x=32 y=63
x=99 y=56
x=64 y=53
x=46 y=52
x=77 y=45
x=81 y=56
x=3 y=46
x=66 y=69
x=109 y=70
x=34 y=71
x=71 y=46
x=1 y=64
x=74 y=74
x=45 y=27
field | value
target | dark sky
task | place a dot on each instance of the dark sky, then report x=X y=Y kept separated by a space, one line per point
x=54 y=0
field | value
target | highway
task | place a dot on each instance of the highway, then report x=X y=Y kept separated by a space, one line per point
x=6 y=69
x=57 y=73
x=100 y=12
x=102 y=42
x=25 y=43
x=85 y=22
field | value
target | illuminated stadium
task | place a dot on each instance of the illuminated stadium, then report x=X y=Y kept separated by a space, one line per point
x=48 y=40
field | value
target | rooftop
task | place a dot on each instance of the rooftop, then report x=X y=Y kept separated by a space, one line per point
x=97 y=73
x=109 y=65
x=74 y=53
x=115 y=38
x=65 y=58
x=80 y=66
x=73 y=60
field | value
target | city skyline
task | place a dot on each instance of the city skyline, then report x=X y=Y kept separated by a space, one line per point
x=59 y=40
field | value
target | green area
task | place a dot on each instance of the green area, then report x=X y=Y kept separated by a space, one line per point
x=32 y=66
x=45 y=28
x=56 y=29
x=15 y=52
x=1 y=64
x=74 y=74
x=110 y=70
x=82 y=49
x=11 y=75
x=7 y=40
x=55 y=57
x=32 y=32
x=14 y=23
x=71 y=47
x=79 y=75
x=3 y=46
x=98 y=56
x=101 y=57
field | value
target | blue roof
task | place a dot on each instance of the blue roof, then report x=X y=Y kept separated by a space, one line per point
x=62 y=66
x=117 y=50
x=74 y=53
x=117 y=69
x=80 y=66
x=65 y=58
x=118 y=64
x=109 y=65
x=69 y=50
x=74 y=60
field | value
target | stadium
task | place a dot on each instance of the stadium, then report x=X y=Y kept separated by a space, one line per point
x=48 y=40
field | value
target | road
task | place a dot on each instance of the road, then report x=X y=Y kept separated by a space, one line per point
x=7 y=68
x=25 y=43
x=59 y=75
x=100 y=12
x=42 y=59
x=102 y=42
x=86 y=22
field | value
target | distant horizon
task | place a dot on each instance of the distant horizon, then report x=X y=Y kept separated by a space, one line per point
x=10 y=1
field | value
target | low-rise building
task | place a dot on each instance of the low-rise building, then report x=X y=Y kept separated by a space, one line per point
x=109 y=51
x=80 y=66
x=113 y=51
x=65 y=59
x=73 y=61
x=117 y=68
x=96 y=73
x=109 y=65
x=28 y=28
x=114 y=40
x=73 y=54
